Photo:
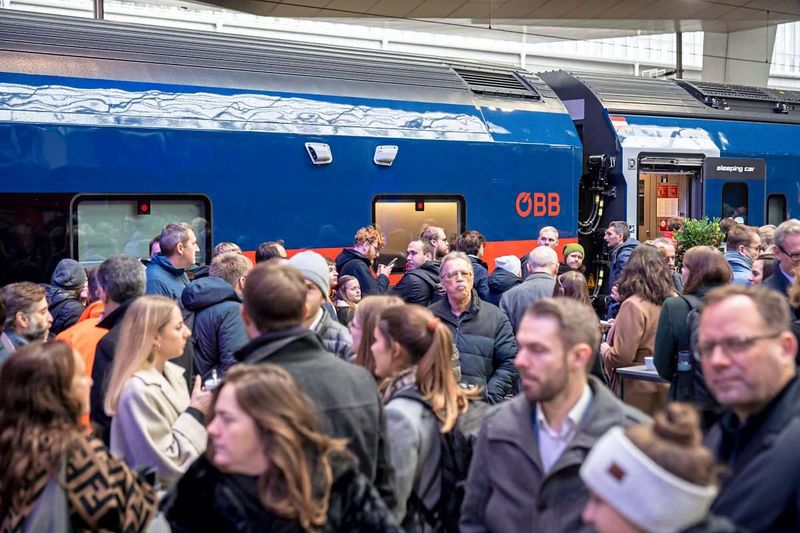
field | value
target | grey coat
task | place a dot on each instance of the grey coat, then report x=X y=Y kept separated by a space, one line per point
x=516 y=301
x=507 y=488
x=335 y=337
x=414 y=449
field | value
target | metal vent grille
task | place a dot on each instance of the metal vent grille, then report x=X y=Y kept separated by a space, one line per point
x=739 y=92
x=497 y=83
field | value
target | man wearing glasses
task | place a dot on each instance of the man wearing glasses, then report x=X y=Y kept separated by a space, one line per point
x=787 y=253
x=747 y=352
x=742 y=246
x=481 y=331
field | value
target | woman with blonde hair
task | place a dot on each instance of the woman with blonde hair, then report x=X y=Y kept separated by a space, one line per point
x=155 y=422
x=362 y=327
x=268 y=466
x=412 y=353
x=45 y=451
x=653 y=478
x=348 y=296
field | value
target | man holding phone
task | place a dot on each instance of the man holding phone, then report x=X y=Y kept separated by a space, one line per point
x=356 y=261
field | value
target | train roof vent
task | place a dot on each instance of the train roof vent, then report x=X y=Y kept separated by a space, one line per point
x=743 y=98
x=497 y=83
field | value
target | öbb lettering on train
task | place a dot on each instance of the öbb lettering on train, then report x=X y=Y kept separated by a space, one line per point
x=538 y=204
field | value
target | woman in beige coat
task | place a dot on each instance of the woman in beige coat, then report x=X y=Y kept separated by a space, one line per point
x=643 y=286
x=155 y=422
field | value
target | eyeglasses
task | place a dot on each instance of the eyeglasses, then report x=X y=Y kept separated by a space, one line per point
x=794 y=257
x=760 y=248
x=454 y=274
x=731 y=345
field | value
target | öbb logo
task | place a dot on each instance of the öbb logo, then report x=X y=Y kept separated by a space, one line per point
x=538 y=204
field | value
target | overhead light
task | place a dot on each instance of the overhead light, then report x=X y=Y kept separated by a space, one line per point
x=320 y=153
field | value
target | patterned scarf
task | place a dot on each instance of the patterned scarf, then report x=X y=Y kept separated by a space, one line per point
x=392 y=385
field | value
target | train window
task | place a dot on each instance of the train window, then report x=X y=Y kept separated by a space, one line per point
x=107 y=225
x=734 y=201
x=402 y=218
x=34 y=235
x=776 y=209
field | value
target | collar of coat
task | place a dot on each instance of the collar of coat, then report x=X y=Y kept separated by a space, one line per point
x=512 y=423
x=271 y=342
x=172 y=378
x=442 y=309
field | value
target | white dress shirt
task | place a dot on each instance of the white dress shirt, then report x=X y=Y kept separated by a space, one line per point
x=552 y=443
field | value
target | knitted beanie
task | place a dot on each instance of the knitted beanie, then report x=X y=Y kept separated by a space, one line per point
x=314 y=268
x=573 y=247
x=642 y=491
x=509 y=263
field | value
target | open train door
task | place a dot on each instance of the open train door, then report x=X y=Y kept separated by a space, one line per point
x=735 y=187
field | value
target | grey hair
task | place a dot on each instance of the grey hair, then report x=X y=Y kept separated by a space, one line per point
x=452 y=256
x=787 y=227
x=620 y=226
x=122 y=278
x=173 y=234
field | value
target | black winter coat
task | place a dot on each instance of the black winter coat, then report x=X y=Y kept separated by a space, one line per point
x=345 y=396
x=64 y=307
x=486 y=345
x=500 y=281
x=480 y=272
x=421 y=285
x=351 y=263
x=205 y=499
x=218 y=330
x=104 y=359
x=761 y=491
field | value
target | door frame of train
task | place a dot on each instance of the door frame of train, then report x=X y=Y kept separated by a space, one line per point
x=721 y=171
x=637 y=141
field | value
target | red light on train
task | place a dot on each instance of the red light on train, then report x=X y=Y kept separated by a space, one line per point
x=420 y=206
x=143 y=207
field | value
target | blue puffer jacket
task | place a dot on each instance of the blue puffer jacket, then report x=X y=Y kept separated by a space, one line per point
x=164 y=279
x=481 y=276
x=501 y=281
x=218 y=327
x=64 y=307
x=486 y=345
x=741 y=266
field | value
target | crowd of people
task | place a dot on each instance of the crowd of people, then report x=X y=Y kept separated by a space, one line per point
x=307 y=393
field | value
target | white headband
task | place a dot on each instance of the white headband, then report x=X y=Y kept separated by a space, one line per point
x=639 y=489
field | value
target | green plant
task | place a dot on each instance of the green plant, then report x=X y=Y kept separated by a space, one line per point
x=697 y=232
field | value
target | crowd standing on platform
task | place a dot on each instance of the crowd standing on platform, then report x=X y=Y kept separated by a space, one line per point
x=306 y=393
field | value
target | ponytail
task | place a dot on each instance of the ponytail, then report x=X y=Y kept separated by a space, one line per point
x=429 y=345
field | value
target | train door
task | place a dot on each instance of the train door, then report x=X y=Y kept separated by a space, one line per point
x=735 y=187
x=668 y=186
x=662 y=196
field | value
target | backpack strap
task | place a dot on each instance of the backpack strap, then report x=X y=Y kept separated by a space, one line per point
x=692 y=301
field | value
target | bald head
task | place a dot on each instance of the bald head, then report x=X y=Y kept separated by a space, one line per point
x=543 y=259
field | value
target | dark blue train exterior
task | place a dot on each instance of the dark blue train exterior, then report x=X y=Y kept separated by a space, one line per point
x=94 y=109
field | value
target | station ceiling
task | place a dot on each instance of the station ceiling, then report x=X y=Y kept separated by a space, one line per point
x=582 y=19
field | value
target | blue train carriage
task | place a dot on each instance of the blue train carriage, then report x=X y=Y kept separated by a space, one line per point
x=654 y=149
x=108 y=131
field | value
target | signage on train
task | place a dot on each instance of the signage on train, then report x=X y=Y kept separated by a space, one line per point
x=734 y=168
x=538 y=204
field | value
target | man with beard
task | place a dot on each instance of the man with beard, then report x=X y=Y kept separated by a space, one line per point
x=524 y=470
x=437 y=238
x=420 y=283
x=27 y=316
x=482 y=332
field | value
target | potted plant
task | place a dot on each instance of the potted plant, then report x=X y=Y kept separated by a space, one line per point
x=697 y=232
